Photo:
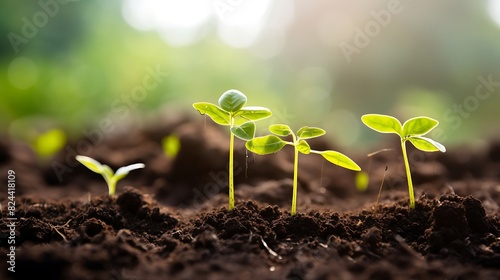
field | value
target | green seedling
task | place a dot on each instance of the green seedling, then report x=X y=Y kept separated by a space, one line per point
x=240 y=120
x=106 y=172
x=412 y=130
x=272 y=143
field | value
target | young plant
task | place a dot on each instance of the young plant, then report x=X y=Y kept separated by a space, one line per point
x=106 y=172
x=240 y=120
x=412 y=130
x=272 y=143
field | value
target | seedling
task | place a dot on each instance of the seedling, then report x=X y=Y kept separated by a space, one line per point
x=107 y=173
x=412 y=130
x=272 y=143
x=240 y=120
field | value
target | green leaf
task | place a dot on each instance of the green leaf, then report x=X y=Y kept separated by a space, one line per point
x=310 y=132
x=339 y=159
x=232 y=100
x=245 y=131
x=123 y=171
x=265 y=145
x=90 y=163
x=171 y=145
x=418 y=126
x=280 y=129
x=213 y=111
x=426 y=144
x=383 y=123
x=253 y=113
x=303 y=147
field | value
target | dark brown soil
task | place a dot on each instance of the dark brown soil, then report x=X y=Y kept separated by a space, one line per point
x=174 y=222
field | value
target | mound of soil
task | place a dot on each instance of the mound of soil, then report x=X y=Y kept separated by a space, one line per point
x=170 y=220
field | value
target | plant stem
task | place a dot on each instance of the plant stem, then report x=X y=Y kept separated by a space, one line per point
x=231 y=175
x=112 y=187
x=295 y=175
x=408 y=175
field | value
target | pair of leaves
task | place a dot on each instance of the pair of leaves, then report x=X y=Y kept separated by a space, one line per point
x=272 y=143
x=231 y=112
x=106 y=172
x=412 y=130
x=303 y=133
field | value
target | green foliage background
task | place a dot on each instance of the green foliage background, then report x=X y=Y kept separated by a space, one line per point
x=81 y=66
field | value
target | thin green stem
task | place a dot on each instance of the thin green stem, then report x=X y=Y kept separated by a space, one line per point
x=408 y=175
x=295 y=176
x=231 y=175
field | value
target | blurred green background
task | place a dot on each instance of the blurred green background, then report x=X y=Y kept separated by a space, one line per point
x=71 y=64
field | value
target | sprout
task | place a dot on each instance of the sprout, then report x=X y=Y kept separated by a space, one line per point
x=272 y=143
x=239 y=119
x=412 y=130
x=107 y=173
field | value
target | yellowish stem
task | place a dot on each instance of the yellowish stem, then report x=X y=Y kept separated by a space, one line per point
x=408 y=175
x=112 y=187
x=295 y=176
x=231 y=175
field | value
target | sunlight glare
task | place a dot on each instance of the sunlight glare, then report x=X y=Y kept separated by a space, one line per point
x=181 y=23
x=494 y=10
x=178 y=22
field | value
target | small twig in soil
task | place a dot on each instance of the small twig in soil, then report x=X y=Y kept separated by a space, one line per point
x=380 y=189
x=56 y=228
x=407 y=248
x=379 y=151
x=271 y=252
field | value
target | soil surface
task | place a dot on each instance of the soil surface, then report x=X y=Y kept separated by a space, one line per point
x=170 y=220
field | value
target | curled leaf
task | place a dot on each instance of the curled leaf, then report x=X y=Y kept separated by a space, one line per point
x=123 y=171
x=426 y=144
x=232 y=100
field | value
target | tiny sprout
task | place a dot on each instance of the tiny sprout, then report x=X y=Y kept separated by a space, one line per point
x=240 y=120
x=272 y=143
x=107 y=173
x=171 y=145
x=412 y=130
